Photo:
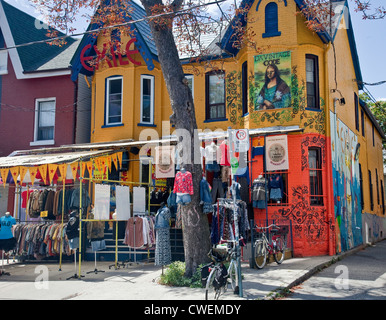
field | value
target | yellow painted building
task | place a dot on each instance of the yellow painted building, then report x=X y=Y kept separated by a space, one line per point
x=317 y=109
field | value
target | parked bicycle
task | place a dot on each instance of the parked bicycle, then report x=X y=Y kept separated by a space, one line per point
x=276 y=247
x=215 y=276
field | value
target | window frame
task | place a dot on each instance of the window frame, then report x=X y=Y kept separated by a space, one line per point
x=107 y=101
x=356 y=108
x=271 y=27
x=285 y=199
x=244 y=87
x=36 y=140
x=152 y=90
x=315 y=60
x=316 y=192
x=190 y=76
x=371 y=192
x=208 y=105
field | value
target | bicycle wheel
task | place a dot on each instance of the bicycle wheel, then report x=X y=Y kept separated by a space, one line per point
x=279 y=251
x=233 y=276
x=260 y=254
x=211 y=293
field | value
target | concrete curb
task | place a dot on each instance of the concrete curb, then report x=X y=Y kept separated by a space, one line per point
x=280 y=292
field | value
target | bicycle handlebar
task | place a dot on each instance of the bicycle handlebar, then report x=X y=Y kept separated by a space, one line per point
x=272 y=225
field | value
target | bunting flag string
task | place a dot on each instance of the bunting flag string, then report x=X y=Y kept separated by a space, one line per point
x=99 y=166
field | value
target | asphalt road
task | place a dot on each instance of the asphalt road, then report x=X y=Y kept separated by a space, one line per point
x=360 y=276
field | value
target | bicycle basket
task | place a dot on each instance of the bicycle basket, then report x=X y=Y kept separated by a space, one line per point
x=219 y=253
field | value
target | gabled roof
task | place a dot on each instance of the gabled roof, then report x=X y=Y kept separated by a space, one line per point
x=338 y=7
x=148 y=49
x=20 y=28
x=142 y=33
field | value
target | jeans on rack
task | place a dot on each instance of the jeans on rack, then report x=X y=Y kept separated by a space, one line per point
x=217 y=189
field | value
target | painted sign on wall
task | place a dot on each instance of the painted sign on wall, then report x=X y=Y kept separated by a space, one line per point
x=111 y=56
x=277 y=153
x=273 y=78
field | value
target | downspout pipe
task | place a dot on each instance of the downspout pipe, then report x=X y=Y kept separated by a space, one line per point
x=330 y=180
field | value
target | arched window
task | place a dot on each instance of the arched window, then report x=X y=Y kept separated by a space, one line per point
x=271 y=21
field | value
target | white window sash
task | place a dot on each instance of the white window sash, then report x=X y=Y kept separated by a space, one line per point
x=107 y=120
x=151 y=78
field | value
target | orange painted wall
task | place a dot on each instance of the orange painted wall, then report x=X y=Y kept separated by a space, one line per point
x=312 y=231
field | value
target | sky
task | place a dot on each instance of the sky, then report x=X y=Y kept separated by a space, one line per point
x=370 y=37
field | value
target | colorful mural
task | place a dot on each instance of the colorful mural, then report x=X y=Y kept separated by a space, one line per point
x=273 y=79
x=346 y=184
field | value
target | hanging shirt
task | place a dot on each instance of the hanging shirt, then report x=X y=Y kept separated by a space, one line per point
x=183 y=183
x=224 y=154
x=6 y=223
x=212 y=154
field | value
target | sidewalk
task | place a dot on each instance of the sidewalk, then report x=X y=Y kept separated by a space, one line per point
x=139 y=281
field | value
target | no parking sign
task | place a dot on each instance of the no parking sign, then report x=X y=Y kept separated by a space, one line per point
x=241 y=140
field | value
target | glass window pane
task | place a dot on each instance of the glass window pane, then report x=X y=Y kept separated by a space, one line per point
x=216 y=89
x=115 y=101
x=46 y=120
x=146 y=100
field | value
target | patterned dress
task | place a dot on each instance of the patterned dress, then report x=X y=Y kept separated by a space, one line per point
x=163 y=255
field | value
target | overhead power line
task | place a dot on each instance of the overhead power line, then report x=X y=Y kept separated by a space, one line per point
x=113 y=26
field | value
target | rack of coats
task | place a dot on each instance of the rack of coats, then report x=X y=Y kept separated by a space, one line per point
x=139 y=232
x=223 y=221
x=40 y=240
x=51 y=200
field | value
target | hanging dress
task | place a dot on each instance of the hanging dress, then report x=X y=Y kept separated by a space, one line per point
x=163 y=255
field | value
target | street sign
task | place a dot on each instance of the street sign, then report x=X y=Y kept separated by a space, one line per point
x=241 y=140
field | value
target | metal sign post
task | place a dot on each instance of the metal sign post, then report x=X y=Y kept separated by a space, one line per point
x=238 y=142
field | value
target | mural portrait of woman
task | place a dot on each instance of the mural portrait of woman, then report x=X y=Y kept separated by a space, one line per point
x=274 y=71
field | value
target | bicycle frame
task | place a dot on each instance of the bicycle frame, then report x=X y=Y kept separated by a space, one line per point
x=263 y=247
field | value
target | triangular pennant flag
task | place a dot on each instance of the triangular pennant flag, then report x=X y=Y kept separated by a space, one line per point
x=63 y=169
x=103 y=163
x=15 y=173
x=98 y=165
x=83 y=168
x=22 y=172
x=32 y=172
x=74 y=169
x=108 y=162
x=43 y=172
x=52 y=170
x=115 y=160
x=4 y=175
x=89 y=167
x=119 y=155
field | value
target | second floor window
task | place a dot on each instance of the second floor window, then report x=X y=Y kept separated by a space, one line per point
x=114 y=100
x=312 y=79
x=147 y=99
x=271 y=21
x=215 y=95
x=315 y=167
x=45 y=119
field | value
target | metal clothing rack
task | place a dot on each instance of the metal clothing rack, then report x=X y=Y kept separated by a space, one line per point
x=81 y=178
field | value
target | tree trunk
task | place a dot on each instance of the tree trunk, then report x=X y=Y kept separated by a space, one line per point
x=195 y=225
